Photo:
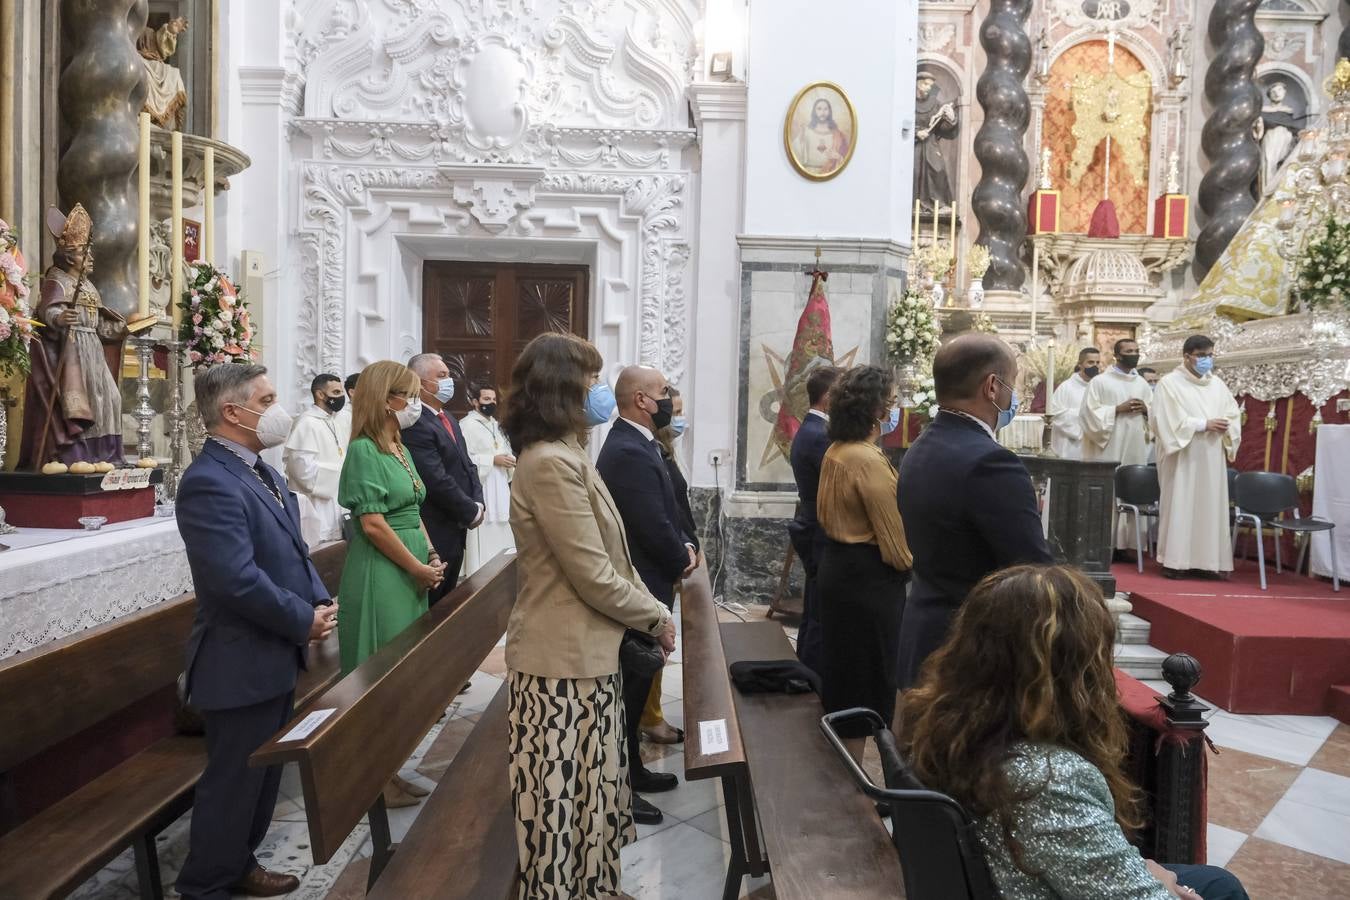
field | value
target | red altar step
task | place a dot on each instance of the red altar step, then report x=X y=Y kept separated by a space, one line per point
x=1263 y=652
x=1338 y=702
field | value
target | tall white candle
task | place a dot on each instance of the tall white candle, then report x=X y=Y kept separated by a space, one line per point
x=143 y=219
x=176 y=251
x=209 y=217
x=1049 y=374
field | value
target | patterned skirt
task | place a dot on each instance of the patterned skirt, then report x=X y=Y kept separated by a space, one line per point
x=569 y=785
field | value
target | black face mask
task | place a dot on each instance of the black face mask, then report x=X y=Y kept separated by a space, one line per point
x=488 y=409
x=1091 y=372
x=334 y=404
x=665 y=408
x=1128 y=361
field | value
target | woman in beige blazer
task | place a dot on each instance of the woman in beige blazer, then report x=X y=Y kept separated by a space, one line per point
x=576 y=594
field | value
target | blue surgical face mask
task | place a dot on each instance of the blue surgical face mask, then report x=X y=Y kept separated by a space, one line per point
x=1005 y=416
x=599 y=404
x=445 y=389
x=1204 y=365
x=677 y=425
x=892 y=421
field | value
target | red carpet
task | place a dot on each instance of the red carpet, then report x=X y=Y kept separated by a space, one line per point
x=1276 y=651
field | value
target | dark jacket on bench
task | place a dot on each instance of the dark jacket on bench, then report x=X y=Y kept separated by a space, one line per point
x=256 y=588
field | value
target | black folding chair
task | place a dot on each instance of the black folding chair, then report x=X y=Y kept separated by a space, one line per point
x=1262 y=498
x=934 y=837
x=1137 y=494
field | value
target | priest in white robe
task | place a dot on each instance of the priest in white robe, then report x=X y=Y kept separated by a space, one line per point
x=1115 y=420
x=313 y=456
x=1066 y=406
x=1197 y=426
x=490 y=452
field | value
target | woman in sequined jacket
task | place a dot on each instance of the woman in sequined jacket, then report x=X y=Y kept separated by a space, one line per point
x=1017 y=719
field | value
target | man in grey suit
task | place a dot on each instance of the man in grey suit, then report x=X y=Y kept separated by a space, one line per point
x=259 y=604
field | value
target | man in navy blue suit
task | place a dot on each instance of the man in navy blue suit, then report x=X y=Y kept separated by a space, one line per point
x=967 y=502
x=808 y=540
x=635 y=474
x=259 y=604
x=454 y=502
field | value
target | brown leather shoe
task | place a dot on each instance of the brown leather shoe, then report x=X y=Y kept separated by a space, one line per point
x=262 y=883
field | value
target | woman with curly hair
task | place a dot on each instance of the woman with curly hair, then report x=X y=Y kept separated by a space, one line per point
x=865 y=565
x=1017 y=718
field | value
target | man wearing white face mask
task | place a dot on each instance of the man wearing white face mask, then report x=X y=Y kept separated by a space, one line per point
x=259 y=605
x=454 y=502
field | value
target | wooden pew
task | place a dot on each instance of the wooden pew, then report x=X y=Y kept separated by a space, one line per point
x=53 y=693
x=708 y=698
x=383 y=709
x=463 y=844
x=823 y=837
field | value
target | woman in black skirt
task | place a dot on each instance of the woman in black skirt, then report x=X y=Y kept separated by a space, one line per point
x=863 y=571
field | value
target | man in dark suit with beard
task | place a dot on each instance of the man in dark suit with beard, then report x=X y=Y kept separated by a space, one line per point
x=966 y=501
x=454 y=502
x=635 y=473
x=808 y=539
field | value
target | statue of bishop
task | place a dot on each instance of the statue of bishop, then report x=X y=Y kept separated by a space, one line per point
x=166 y=98
x=72 y=405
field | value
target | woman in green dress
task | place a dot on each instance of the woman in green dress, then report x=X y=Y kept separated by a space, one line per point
x=390 y=564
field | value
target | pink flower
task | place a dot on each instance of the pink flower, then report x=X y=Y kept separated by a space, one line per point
x=196 y=318
x=5 y=330
x=195 y=357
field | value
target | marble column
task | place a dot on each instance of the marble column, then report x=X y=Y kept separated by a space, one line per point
x=1343 y=44
x=1234 y=154
x=101 y=91
x=999 y=144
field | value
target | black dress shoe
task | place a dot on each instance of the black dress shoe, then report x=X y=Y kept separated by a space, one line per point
x=1174 y=574
x=646 y=814
x=646 y=782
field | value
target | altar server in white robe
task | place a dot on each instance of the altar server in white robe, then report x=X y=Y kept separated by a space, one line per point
x=490 y=452
x=1066 y=406
x=313 y=456
x=1197 y=426
x=1115 y=421
x=343 y=419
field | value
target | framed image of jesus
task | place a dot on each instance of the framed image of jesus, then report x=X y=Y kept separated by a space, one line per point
x=820 y=131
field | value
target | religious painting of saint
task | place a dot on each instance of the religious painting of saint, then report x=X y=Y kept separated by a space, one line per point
x=192 y=240
x=820 y=131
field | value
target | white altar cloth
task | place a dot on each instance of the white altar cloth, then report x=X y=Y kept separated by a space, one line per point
x=1024 y=434
x=55 y=581
x=1331 y=498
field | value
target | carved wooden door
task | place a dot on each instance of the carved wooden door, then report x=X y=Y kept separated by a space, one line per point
x=479 y=316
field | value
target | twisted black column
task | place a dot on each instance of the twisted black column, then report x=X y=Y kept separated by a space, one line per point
x=102 y=90
x=1234 y=155
x=997 y=200
x=1343 y=45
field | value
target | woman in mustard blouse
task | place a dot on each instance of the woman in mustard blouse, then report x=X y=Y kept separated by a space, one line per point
x=866 y=562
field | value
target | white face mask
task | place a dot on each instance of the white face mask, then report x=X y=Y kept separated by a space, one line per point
x=274 y=425
x=408 y=415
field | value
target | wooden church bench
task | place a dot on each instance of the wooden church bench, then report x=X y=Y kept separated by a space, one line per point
x=462 y=845
x=56 y=692
x=708 y=698
x=822 y=836
x=383 y=709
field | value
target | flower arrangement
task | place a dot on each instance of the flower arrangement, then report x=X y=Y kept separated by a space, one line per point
x=216 y=327
x=1324 y=271
x=1037 y=359
x=977 y=259
x=16 y=323
x=923 y=402
x=981 y=322
x=912 y=330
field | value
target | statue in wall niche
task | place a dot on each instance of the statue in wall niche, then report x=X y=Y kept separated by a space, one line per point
x=73 y=405
x=935 y=122
x=166 y=97
x=161 y=268
x=1276 y=128
x=1179 y=56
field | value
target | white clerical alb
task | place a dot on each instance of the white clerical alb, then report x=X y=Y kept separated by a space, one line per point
x=1193 y=470
x=1066 y=425
x=313 y=456
x=1122 y=437
x=484 y=440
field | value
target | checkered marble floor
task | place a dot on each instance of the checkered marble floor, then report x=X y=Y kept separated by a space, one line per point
x=1279 y=811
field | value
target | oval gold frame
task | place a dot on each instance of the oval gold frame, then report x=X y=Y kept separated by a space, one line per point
x=787 y=131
